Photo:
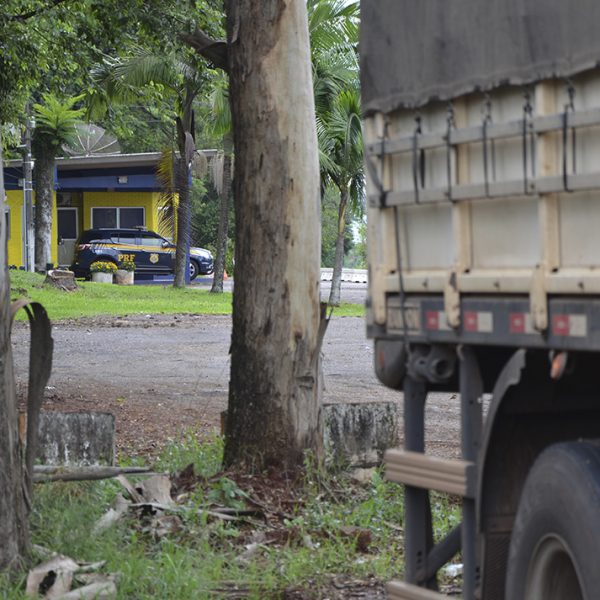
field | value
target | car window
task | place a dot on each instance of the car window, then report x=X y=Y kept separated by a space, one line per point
x=151 y=240
x=102 y=238
x=93 y=236
x=125 y=238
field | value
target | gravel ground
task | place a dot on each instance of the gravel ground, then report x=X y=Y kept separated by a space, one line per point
x=164 y=375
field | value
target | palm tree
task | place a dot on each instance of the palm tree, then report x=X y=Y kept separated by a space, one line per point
x=55 y=126
x=220 y=122
x=341 y=160
x=122 y=79
x=333 y=26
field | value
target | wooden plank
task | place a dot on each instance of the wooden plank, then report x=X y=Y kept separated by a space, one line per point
x=400 y=590
x=548 y=209
x=428 y=472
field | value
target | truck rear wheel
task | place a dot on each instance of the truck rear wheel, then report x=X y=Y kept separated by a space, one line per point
x=556 y=537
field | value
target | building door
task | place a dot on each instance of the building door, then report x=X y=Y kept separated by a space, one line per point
x=68 y=231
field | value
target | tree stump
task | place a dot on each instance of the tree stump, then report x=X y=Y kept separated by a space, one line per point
x=61 y=279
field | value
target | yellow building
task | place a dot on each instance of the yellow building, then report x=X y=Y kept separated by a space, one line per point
x=91 y=191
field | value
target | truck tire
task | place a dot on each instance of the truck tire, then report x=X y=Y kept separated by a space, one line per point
x=556 y=536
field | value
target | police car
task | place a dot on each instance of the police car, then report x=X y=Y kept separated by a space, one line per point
x=151 y=253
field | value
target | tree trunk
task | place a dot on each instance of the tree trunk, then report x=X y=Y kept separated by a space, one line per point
x=44 y=192
x=14 y=532
x=222 y=234
x=186 y=143
x=182 y=259
x=274 y=406
x=336 y=278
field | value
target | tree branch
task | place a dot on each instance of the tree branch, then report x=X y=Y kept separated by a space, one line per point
x=213 y=50
x=34 y=13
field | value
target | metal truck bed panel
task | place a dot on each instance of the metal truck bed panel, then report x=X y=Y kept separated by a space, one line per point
x=496 y=194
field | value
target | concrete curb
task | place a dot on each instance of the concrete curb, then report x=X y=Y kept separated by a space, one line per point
x=350 y=275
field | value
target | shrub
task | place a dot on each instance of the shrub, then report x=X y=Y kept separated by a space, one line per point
x=127 y=265
x=103 y=266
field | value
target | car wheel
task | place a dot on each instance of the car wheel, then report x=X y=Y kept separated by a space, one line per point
x=555 y=539
x=193 y=270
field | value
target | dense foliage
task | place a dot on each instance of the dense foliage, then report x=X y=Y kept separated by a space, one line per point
x=50 y=46
x=58 y=47
x=333 y=27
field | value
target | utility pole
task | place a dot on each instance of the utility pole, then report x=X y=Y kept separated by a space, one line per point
x=28 y=195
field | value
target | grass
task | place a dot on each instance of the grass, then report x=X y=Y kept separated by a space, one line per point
x=203 y=557
x=95 y=299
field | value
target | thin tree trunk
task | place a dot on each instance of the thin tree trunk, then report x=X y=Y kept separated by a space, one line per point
x=44 y=191
x=182 y=261
x=14 y=532
x=222 y=234
x=336 y=278
x=186 y=143
x=274 y=406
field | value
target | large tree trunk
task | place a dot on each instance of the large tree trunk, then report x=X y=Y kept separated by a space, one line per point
x=44 y=192
x=336 y=278
x=222 y=233
x=274 y=405
x=14 y=533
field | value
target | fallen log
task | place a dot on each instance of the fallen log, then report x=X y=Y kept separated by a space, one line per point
x=47 y=473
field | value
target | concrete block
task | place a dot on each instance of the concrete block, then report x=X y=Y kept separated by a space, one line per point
x=358 y=434
x=83 y=439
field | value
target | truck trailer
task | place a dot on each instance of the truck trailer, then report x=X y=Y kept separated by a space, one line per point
x=482 y=148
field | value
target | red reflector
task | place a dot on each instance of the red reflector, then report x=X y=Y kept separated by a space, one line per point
x=432 y=320
x=517 y=322
x=560 y=324
x=470 y=321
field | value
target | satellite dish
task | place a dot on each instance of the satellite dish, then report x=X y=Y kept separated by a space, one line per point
x=92 y=140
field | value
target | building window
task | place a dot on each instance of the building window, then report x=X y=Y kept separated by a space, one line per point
x=104 y=217
x=131 y=217
x=118 y=217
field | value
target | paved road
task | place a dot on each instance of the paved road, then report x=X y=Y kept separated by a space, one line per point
x=161 y=375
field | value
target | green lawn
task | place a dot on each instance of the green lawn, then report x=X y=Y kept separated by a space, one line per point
x=92 y=299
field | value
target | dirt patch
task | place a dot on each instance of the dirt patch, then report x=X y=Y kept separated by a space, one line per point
x=163 y=376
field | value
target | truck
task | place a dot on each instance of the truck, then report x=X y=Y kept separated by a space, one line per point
x=482 y=151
